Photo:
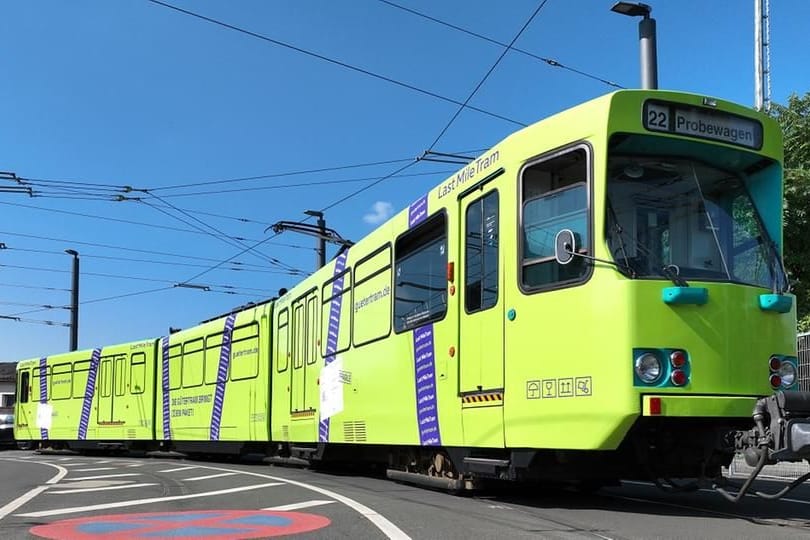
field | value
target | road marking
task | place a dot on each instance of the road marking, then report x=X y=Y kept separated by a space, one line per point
x=102 y=476
x=121 y=504
x=22 y=499
x=106 y=488
x=95 y=469
x=178 y=469
x=208 y=477
x=298 y=506
x=378 y=520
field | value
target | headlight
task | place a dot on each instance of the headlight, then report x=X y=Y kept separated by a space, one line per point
x=787 y=372
x=648 y=368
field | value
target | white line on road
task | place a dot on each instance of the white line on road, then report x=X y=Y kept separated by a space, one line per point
x=22 y=499
x=121 y=504
x=208 y=477
x=101 y=476
x=298 y=506
x=106 y=488
x=378 y=520
x=178 y=469
x=95 y=469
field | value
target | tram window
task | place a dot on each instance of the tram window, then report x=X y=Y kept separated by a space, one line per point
x=282 y=341
x=312 y=330
x=105 y=377
x=420 y=280
x=81 y=370
x=120 y=375
x=40 y=373
x=481 y=249
x=61 y=375
x=137 y=373
x=299 y=336
x=193 y=363
x=555 y=197
x=24 y=386
x=213 y=348
x=245 y=352
x=336 y=295
x=175 y=366
x=371 y=318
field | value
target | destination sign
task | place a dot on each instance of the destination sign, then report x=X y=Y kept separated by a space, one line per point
x=703 y=123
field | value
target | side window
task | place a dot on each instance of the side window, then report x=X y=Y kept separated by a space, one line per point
x=299 y=335
x=105 y=377
x=371 y=319
x=420 y=279
x=481 y=254
x=554 y=196
x=120 y=375
x=193 y=363
x=245 y=352
x=336 y=294
x=213 y=345
x=37 y=386
x=81 y=370
x=23 y=386
x=61 y=381
x=137 y=373
x=282 y=341
x=312 y=329
x=175 y=366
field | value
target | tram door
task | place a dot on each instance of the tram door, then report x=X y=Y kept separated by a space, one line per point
x=110 y=385
x=303 y=392
x=481 y=312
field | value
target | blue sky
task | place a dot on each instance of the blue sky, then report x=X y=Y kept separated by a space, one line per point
x=130 y=93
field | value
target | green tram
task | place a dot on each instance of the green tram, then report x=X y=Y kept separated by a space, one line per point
x=599 y=296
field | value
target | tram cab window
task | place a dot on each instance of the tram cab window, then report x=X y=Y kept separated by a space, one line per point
x=554 y=197
x=24 y=385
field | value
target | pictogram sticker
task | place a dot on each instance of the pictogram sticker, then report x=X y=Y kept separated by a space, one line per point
x=205 y=524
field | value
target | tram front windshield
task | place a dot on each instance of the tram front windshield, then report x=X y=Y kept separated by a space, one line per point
x=683 y=217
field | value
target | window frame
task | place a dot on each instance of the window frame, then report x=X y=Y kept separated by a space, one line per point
x=586 y=147
x=54 y=372
x=390 y=267
x=285 y=311
x=141 y=361
x=440 y=214
x=326 y=306
x=480 y=200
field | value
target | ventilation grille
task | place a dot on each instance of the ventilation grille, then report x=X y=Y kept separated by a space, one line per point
x=132 y=434
x=285 y=433
x=354 y=431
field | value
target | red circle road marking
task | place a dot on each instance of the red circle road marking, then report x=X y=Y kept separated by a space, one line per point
x=207 y=524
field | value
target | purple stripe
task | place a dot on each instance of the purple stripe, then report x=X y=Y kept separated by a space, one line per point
x=427 y=411
x=43 y=390
x=417 y=211
x=89 y=391
x=222 y=376
x=334 y=329
x=164 y=372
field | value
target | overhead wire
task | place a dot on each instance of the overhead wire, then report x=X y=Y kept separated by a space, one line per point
x=488 y=73
x=452 y=119
x=549 y=61
x=150 y=252
x=219 y=234
x=331 y=60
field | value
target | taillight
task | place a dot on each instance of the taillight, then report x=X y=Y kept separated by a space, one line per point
x=776 y=381
x=677 y=359
x=774 y=363
x=679 y=377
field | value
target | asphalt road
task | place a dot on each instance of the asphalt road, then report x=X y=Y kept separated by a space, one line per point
x=71 y=496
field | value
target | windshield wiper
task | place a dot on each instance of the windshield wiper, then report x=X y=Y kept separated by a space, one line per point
x=673 y=273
